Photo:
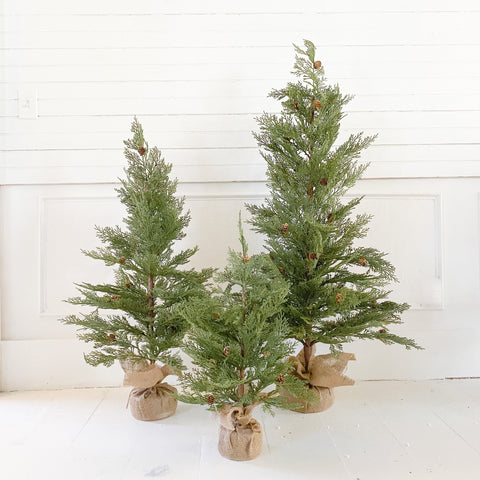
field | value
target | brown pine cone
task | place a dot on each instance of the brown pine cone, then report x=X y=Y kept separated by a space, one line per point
x=128 y=285
x=362 y=261
x=317 y=105
x=317 y=64
x=216 y=315
x=284 y=228
x=210 y=399
x=280 y=379
x=281 y=270
x=246 y=258
x=295 y=106
x=382 y=331
x=323 y=182
x=121 y=260
x=226 y=351
x=115 y=297
x=311 y=191
x=112 y=337
x=338 y=297
x=312 y=256
x=330 y=217
x=142 y=151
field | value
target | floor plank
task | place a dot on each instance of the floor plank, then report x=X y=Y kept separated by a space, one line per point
x=375 y=430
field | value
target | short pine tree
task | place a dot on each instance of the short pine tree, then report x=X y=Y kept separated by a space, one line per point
x=337 y=289
x=149 y=282
x=237 y=337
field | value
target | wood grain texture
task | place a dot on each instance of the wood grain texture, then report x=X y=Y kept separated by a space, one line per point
x=414 y=430
x=197 y=76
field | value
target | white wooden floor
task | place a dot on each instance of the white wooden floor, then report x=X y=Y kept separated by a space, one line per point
x=375 y=430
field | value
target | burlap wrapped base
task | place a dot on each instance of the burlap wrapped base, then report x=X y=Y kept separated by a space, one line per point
x=240 y=436
x=153 y=403
x=151 y=398
x=324 y=373
x=132 y=366
x=324 y=400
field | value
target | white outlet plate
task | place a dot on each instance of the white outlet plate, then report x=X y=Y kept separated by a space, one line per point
x=27 y=104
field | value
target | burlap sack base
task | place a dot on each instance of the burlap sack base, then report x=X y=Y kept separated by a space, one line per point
x=135 y=365
x=325 y=397
x=240 y=436
x=151 y=398
x=325 y=373
x=153 y=403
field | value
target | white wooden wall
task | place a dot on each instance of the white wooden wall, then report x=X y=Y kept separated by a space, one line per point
x=196 y=74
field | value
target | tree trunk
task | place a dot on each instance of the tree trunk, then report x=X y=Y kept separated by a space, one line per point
x=307 y=352
x=241 y=374
x=151 y=303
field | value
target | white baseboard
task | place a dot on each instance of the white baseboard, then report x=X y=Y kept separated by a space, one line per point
x=51 y=364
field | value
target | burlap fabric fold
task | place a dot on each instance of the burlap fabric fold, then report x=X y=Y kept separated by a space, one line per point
x=151 y=398
x=324 y=373
x=240 y=436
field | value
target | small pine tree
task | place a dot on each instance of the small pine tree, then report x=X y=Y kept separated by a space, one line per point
x=237 y=343
x=237 y=337
x=337 y=289
x=149 y=281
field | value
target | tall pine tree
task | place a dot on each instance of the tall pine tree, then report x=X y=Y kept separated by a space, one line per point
x=134 y=318
x=338 y=290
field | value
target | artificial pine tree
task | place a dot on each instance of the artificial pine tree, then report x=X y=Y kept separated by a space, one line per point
x=134 y=318
x=337 y=290
x=237 y=343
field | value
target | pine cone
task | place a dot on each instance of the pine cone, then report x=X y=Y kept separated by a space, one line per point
x=142 y=151
x=311 y=191
x=284 y=228
x=281 y=270
x=362 y=261
x=295 y=106
x=265 y=354
x=382 y=331
x=246 y=258
x=323 y=182
x=121 y=260
x=317 y=64
x=338 y=297
x=317 y=105
x=226 y=351
x=312 y=256
x=280 y=379
x=128 y=285
x=330 y=217
x=210 y=399
x=115 y=297
x=216 y=315
x=112 y=337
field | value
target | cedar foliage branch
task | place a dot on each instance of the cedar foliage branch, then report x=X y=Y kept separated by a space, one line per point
x=338 y=290
x=134 y=317
x=237 y=336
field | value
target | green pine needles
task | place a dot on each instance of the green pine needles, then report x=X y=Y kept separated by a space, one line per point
x=237 y=337
x=337 y=291
x=149 y=281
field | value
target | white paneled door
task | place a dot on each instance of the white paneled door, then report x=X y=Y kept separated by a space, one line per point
x=427 y=226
